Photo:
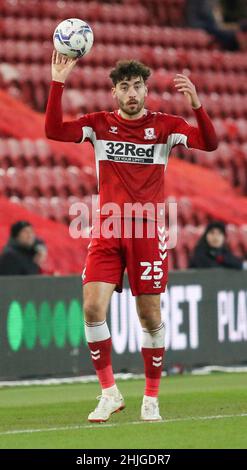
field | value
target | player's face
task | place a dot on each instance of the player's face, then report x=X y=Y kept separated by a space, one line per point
x=130 y=95
x=215 y=238
x=26 y=236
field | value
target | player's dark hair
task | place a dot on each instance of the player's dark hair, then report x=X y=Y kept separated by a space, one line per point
x=127 y=69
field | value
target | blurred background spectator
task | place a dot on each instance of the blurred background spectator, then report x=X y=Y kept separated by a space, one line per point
x=23 y=254
x=40 y=255
x=210 y=16
x=234 y=11
x=212 y=251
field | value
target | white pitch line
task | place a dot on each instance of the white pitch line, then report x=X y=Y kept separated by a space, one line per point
x=114 y=425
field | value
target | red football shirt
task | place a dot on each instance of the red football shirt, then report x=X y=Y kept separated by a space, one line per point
x=131 y=155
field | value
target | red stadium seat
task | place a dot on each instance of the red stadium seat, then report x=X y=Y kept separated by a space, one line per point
x=43 y=207
x=43 y=152
x=30 y=203
x=185 y=210
x=234 y=240
x=59 y=209
x=163 y=80
x=243 y=239
x=171 y=261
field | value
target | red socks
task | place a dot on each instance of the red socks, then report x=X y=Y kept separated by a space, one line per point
x=100 y=345
x=153 y=360
x=101 y=357
x=153 y=350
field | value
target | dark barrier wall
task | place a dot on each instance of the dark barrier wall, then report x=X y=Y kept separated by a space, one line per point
x=42 y=334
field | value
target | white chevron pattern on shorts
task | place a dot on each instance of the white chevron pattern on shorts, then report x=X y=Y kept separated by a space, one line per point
x=162 y=239
x=162 y=242
x=162 y=247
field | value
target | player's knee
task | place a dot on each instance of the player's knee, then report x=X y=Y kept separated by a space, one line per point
x=93 y=310
x=149 y=321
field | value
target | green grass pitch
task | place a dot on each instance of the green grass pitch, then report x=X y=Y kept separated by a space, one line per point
x=205 y=412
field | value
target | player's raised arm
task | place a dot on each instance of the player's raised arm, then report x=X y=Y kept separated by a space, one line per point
x=61 y=66
x=185 y=85
x=202 y=137
x=55 y=128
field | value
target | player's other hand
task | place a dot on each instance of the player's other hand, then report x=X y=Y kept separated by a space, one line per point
x=185 y=86
x=61 y=66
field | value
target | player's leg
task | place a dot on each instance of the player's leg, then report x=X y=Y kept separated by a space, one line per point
x=147 y=271
x=96 y=298
x=153 y=349
x=102 y=274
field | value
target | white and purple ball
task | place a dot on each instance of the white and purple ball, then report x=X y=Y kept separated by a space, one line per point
x=73 y=37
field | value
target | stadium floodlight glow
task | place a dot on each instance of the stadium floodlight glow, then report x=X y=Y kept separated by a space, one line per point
x=14 y=325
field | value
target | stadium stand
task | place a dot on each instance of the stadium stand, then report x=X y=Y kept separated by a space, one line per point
x=44 y=177
x=63 y=254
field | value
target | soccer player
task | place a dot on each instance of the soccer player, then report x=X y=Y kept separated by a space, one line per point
x=132 y=146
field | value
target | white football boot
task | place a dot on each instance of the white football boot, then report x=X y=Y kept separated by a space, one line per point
x=150 y=409
x=108 y=404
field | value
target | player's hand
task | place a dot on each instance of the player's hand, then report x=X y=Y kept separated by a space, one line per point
x=185 y=86
x=61 y=66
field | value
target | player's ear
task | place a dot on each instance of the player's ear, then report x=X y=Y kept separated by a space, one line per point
x=146 y=90
x=113 y=90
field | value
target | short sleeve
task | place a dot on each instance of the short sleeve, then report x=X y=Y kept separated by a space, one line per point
x=87 y=127
x=180 y=131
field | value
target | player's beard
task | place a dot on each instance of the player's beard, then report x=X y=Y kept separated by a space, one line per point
x=129 y=109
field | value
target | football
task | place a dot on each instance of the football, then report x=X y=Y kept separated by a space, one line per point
x=73 y=37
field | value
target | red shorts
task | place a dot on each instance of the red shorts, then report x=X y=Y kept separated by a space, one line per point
x=145 y=258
